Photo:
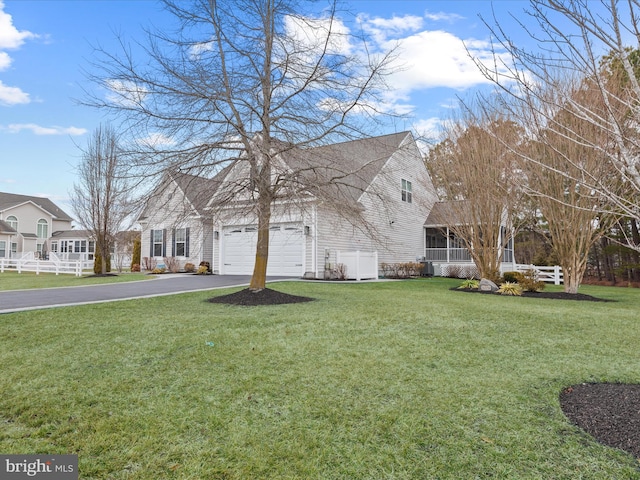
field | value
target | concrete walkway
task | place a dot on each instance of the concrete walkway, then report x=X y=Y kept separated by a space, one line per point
x=20 y=300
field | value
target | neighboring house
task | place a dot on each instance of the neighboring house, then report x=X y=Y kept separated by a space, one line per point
x=306 y=235
x=27 y=223
x=80 y=245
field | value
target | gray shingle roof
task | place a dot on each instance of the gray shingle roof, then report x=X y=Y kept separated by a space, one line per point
x=9 y=200
x=6 y=228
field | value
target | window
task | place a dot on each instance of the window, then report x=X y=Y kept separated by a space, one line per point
x=3 y=249
x=14 y=249
x=43 y=228
x=54 y=247
x=157 y=243
x=406 y=191
x=181 y=242
x=13 y=222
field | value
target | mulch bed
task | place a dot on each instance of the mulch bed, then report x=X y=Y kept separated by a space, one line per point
x=265 y=296
x=610 y=412
x=543 y=294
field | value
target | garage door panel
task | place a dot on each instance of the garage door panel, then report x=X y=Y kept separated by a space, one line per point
x=286 y=250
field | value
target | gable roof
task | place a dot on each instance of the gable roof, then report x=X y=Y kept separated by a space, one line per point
x=6 y=228
x=349 y=166
x=196 y=190
x=11 y=200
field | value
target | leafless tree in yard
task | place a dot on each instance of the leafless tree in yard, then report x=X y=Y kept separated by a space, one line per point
x=474 y=172
x=583 y=45
x=100 y=199
x=238 y=86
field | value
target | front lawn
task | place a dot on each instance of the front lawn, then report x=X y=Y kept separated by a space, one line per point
x=11 y=280
x=389 y=380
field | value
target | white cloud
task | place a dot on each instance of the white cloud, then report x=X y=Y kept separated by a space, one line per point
x=310 y=34
x=156 y=140
x=442 y=16
x=10 y=37
x=39 y=130
x=12 y=95
x=125 y=93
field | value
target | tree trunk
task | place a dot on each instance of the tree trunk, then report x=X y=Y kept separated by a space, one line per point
x=259 y=277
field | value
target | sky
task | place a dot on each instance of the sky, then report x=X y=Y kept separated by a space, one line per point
x=46 y=47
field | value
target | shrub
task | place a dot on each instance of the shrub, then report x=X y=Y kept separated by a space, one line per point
x=135 y=267
x=135 y=256
x=207 y=265
x=529 y=282
x=158 y=270
x=202 y=270
x=401 y=270
x=97 y=263
x=340 y=271
x=149 y=263
x=172 y=264
x=510 y=288
x=469 y=284
x=189 y=267
x=512 y=277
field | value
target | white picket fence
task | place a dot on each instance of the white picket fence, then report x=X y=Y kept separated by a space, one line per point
x=29 y=263
x=359 y=265
x=552 y=274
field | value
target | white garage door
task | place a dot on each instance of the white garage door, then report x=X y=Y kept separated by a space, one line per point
x=285 y=250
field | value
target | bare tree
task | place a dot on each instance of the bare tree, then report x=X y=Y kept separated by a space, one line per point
x=583 y=44
x=474 y=171
x=100 y=200
x=237 y=87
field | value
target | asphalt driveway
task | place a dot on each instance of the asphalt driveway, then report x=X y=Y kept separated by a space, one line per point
x=19 y=300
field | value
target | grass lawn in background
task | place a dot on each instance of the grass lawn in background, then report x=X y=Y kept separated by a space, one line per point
x=388 y=380
x=19 y=281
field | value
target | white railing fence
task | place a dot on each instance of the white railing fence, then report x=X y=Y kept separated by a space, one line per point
x=28 y=263
x=550 y=274
x=359 y=265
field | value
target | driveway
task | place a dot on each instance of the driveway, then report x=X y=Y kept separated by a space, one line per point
x=19 y=300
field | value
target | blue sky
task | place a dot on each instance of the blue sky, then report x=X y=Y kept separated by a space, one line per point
x=46 y=44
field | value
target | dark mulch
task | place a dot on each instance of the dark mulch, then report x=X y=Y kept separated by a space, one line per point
x=543 y=294
x=610 y=412
x=265 y=296
x=101 y=275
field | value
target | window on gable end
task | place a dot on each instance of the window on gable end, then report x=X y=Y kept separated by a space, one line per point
x=406 y=191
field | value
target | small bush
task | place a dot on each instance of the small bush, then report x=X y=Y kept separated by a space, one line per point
x=511 y=277
x=207 y=265
x=189 y=267
x=469 y=284
x=401 y=270
x=202 y=270
x=135 y=267
x=149 y=263
x=172 y=264
x=340 y=271
x=529 y=281
x=510 y=288
x=159 y=270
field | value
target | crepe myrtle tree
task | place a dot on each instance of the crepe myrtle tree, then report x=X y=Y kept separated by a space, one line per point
x=239 y=84
x=101 y=198
x=475 y=171
x=585 y=45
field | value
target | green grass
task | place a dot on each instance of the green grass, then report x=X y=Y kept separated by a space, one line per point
x=26 y=280
x=392 y=380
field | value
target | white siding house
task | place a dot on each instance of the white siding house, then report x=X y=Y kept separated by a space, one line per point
x=379 y=204
x=27 y=224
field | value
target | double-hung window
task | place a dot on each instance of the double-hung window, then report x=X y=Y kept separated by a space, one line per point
x=181 y=242
x=157 y=243
x=406 y=191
